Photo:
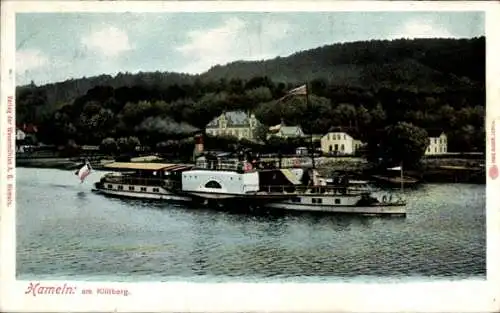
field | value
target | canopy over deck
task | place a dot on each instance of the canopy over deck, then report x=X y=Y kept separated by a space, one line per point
x=147 y=166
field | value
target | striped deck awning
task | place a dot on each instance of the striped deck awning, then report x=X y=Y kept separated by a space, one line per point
x=147 y=166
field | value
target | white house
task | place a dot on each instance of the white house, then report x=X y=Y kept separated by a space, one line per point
x=438 y=143
x=237 y=124
x=20 y=135
x=339 y=143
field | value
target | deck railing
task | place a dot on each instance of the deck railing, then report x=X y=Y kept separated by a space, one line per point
x=142 y=181
x=220 y=165
x=314 y=189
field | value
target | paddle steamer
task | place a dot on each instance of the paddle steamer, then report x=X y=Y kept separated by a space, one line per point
x=240 y=183
x=142 y=180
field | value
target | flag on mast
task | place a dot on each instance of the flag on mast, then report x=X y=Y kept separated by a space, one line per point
x=275 y=128
x=84 y=171
x=397 y=168
x=301 y=90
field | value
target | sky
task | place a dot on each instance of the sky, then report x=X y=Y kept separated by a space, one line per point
x=53 y=47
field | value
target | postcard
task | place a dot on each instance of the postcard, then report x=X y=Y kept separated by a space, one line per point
x=291 y=156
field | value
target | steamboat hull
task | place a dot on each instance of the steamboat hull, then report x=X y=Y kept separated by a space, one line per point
x=158 y=193
x=236 y=201
x=371 y=210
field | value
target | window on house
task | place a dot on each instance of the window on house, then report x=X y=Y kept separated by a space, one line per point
x=336 y=147
x=344 y=137
x=337 y=201
x=342 y=148
x=330 y=148
x=110 y=186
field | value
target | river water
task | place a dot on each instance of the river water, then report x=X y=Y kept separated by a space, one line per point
x=64 y=231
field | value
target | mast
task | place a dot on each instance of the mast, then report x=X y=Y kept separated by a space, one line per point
x=311 y=142
x=401 y=172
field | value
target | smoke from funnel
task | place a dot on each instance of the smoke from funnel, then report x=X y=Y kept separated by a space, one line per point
x=165 y=125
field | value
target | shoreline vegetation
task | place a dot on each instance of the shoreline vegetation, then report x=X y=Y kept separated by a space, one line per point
x=391 y=95
x=432 y=170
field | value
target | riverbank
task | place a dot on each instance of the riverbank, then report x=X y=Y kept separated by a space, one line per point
x=453 y=170
x=443 y=170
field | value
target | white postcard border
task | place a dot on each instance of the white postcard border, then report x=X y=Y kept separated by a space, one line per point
x=469 y=296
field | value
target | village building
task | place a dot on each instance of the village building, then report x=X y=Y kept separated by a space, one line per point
x=20 y=135
x=340 y=143
x=283 y=131
x=438 y=143
x=237 y=124
x=25 y=136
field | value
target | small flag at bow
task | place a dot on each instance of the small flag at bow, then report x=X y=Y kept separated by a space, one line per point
x=84 y=171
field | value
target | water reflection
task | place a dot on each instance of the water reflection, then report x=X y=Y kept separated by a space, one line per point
x=77 y=232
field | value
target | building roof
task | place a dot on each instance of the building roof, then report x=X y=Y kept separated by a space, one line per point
x=343 y=129
x=338 y=129
x=290 y=130
x=234 y=119
x=28 y=128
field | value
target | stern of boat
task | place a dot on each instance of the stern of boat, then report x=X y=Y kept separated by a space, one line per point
x=381 y=200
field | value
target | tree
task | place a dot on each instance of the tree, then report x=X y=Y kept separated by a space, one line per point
x=462 y=139
x=365 y=85
x=128 y=144
x=260 y=132
x=259 y=94
x=378 y=115
x=403 y=142
x=109 y=146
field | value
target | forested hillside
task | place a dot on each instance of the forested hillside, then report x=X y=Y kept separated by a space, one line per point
x=430 y=83
x=422 y=63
